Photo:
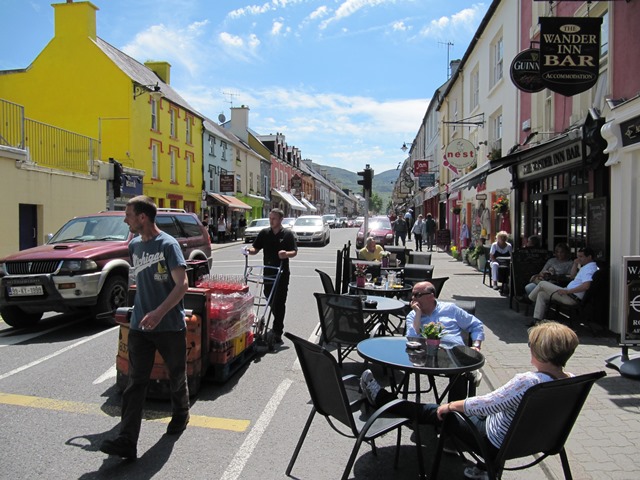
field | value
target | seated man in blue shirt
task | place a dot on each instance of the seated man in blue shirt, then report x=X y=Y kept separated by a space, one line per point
x=573 y=293
x=425 y=308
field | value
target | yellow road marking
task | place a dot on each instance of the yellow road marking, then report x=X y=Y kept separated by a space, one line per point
x=203 y=421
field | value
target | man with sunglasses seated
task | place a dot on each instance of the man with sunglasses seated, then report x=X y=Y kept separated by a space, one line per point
x=425 y=308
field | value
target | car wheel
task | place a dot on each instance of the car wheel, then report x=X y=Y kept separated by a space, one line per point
x=112 y=296
x=18 y=318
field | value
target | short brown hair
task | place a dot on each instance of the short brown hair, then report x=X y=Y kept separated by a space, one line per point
x=552 y=342
x=144 y=204
x=278 y=211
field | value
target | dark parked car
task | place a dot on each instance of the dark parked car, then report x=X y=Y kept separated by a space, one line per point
x=379 y=228
x=85 y=265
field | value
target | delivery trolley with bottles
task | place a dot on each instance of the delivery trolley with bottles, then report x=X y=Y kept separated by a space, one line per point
x=220 y=323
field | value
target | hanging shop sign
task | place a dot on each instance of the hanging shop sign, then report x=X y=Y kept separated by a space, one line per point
x=420 y=167
x=427 y=180
x=296 y=183
x=226 y=183
x=525 y=71
x=460 y=153
x=569 y=53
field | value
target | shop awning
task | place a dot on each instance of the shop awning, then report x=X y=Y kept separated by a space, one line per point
x=257 y=197
x=291 y=200
x=228 y=201
x=309 y=205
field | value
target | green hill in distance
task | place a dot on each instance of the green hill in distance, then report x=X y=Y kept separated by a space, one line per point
x=382 y=182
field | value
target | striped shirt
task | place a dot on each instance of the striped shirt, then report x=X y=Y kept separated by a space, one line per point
x=499 y=406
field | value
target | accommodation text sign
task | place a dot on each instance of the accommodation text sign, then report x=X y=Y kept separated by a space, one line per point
x=569 y=53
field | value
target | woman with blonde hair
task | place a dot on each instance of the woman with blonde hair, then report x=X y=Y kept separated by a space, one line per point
x=499 y=249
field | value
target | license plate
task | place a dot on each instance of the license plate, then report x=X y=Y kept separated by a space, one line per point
x=26 y=291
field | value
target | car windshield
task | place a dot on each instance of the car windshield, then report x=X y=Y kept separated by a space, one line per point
x=328 y=217
x=380 y=224
x=92 y=229
x=261 y=222
x=308 y=222
x=288 y=221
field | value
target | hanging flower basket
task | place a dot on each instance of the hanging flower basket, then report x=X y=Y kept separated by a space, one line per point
x=456 y=210
x=501 y=205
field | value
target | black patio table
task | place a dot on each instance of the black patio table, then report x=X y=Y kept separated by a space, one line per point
x=379 y=314
x=391 y=352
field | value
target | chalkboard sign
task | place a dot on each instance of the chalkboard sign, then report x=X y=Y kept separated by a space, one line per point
x=597 y=223
x=525 y=263
x=443 y=239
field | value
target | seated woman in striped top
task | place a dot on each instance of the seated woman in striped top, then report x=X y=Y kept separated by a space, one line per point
x=551 y=345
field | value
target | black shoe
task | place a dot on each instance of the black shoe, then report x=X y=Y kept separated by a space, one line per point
x=178 y=424
x=120 y=447
x=274 y=338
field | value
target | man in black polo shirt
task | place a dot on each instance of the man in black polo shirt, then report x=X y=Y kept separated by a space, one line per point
x=278 y=245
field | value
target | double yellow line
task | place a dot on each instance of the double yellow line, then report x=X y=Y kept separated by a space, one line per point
x=27 y=401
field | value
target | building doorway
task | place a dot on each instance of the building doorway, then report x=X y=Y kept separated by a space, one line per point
x=28 y=218
x=557 y=220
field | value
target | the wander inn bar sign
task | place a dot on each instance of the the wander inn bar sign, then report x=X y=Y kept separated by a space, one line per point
x=569 y=53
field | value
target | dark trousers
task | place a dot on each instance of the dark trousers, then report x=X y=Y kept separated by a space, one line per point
x=418 y=238
x=401 y=236
x=278 y=301
x=430 y=239
x=427 y=415
x=142 y=350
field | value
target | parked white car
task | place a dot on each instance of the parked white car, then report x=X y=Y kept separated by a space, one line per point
x=252 y=230
x=310 y=229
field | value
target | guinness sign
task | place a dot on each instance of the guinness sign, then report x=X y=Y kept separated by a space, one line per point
x=569 y=53
x=525 y=71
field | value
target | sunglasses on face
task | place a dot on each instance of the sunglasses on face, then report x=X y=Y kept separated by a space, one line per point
x=420 y=294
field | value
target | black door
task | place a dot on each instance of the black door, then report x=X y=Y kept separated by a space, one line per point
x=28 y=225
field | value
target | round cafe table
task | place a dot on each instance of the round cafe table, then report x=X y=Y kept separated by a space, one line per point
x=380 y=290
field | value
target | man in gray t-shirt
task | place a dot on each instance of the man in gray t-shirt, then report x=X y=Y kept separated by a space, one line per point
x=157 y=324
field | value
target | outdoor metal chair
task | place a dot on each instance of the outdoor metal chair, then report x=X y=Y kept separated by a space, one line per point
x=342 y=322
x=327 y=284
x=413 y=274
x=541 y=425
x=332 y=398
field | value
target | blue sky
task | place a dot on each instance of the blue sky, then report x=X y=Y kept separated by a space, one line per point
x=347 y=81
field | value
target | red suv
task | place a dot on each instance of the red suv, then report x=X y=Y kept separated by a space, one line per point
x=85 y=265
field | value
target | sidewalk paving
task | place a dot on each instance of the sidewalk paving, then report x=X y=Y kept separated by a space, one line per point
x=603 y=443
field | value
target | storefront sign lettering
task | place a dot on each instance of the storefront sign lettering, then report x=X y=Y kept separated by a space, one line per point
x=561 y=158
x=525 y=71
x=460 y=153
x=570 y=53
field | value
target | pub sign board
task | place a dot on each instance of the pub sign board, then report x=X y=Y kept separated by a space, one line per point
x=525 y=71
x=630 y=131
x=460 y=153
x=569 y=53
x=420 y=167
x=226 y=183
x=631 y=306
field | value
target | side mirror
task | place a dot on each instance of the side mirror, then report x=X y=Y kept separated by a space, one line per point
x=48 y=237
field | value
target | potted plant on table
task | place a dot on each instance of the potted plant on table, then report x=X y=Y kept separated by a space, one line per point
x=432 y=332
x=361 y=271
x=384 y=258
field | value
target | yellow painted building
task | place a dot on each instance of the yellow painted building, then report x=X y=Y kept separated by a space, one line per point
x=82 y=83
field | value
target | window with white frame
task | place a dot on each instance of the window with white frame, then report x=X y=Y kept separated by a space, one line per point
x=265 y=187
x=497 y=60
x=496 y=131
x=172 y=158
x=475 y=88
x=188 y=159
x=188 y=129
x=211 y=178
x=224 y=150
x=250 y=186
x=212 y=143
x=172 y=120
x=154 y=161
x=238 y=183
x=154 y=115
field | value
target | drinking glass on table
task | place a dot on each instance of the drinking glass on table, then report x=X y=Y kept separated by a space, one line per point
x=368 y=276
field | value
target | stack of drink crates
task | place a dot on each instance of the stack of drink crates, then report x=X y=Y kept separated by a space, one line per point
x=231 y=317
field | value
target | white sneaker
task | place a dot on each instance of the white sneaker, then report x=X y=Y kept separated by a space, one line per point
x=370 y=387
x=476 y=473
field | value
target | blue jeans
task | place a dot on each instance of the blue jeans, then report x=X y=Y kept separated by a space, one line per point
x=142 y=350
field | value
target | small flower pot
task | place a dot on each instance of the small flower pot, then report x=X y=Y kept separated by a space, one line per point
x=385 y=262
x=432 y=346
x=360 y=281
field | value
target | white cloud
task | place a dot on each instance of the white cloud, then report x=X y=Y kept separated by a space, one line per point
x=319 y=13
x=230 y=40
x=176 y=45
x=260 y=9
x=239 y=47
x=399 y=26
x=464 y=20
x=349 y=7
x=276 y=28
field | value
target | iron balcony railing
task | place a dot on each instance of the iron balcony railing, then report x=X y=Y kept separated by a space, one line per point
x=48 y=146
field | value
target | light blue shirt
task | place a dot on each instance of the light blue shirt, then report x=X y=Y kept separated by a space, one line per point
x=585 y=274
x=454 y=319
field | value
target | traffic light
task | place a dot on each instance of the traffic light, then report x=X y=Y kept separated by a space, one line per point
x=367 y=180
x=593 y=143
x=117 y=178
